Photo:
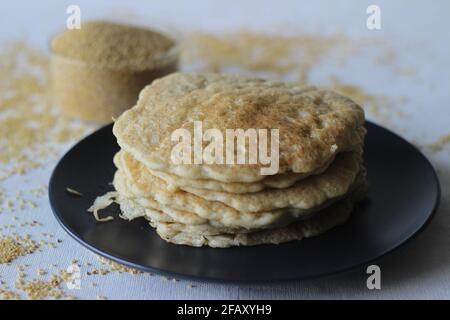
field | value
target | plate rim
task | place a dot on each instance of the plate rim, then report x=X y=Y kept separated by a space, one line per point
x=220 y=280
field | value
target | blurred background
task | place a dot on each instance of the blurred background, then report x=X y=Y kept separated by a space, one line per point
x=399 y=74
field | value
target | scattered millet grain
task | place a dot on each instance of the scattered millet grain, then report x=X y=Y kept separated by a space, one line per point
x=28 y=122
x=9 y=295
x=39 y=289
x=258 y=52
x=66 y=276
x=35 y=289
x=41 y=272
x=103 y=272
x=440 y=143
x=13 y=247
x=118 y=267
x=293 y=57
x=382 y=107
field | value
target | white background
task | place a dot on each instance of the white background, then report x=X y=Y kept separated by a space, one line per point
x=420 y=32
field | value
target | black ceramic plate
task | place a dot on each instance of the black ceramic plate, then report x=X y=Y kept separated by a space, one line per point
x=404 y=193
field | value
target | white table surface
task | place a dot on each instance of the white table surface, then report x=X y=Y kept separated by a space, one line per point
x=419 y=32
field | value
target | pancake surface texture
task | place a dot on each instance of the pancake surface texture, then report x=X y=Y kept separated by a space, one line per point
x=314 y=125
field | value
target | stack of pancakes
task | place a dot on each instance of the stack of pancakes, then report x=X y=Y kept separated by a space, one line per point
x=320 y=175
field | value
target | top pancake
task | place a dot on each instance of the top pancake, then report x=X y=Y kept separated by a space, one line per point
x=314 y=124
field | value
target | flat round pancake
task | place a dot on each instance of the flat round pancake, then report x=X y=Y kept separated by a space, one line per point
x=215 y=213
x=306 y=194
x=314 y=124
x=189 y=208
x=333 y=183
x=279 y=181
